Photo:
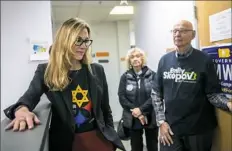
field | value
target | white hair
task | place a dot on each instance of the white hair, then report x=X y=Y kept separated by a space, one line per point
x=130 y=51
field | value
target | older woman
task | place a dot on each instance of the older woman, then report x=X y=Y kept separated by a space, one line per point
x=134 y=96
x=81 y=115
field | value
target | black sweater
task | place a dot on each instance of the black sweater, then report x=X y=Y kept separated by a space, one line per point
x=183 y=84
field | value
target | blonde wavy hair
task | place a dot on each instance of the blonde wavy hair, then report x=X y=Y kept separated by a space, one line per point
x=62 y=53
x=130 y=52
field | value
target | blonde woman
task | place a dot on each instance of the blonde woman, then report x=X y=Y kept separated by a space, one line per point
x=134 y=96
x=81 y=115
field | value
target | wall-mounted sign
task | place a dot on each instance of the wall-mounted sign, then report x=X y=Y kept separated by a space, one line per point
x=102 y=56
x=222 y=57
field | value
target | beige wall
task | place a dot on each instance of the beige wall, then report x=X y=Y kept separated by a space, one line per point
x=223 y=138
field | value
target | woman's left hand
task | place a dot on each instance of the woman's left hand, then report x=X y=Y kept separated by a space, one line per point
x=142 y=119
x=136 y=112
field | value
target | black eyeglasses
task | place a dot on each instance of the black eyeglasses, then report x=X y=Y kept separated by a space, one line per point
x=80 y=41
x=181 y=31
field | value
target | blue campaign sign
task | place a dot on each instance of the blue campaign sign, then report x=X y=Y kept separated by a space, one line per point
x=222 y=57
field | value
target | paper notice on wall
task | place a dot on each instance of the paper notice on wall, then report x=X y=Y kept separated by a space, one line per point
x=220 y=25
x=222 y=58
x=39 y=50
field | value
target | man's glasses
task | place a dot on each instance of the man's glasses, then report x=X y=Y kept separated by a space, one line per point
x=80 y=41
x=181 y=31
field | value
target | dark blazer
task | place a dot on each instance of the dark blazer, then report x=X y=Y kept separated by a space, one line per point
x=62 y=128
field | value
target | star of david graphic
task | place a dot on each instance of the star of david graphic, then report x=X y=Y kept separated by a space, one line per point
x=84 y=96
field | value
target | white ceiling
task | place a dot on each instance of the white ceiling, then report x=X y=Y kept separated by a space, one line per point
x=91 y=11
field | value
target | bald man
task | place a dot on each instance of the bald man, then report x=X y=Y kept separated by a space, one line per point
x=185 y=91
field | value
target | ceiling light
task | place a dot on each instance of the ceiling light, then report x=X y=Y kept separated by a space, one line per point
x=123 y=2
x=122 y=10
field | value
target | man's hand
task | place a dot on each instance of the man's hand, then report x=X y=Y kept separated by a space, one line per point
x=229 y=104
x=136 y=112
x=23 y=119
x=165 y=134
